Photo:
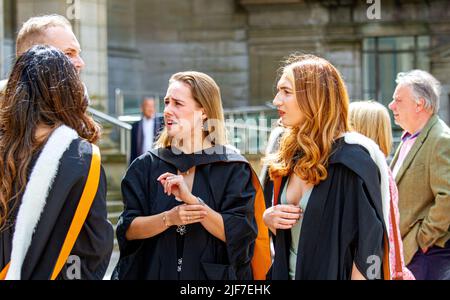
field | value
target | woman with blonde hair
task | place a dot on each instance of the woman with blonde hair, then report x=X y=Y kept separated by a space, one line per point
x=326 y=218
x=193 y=206
x=371 y=119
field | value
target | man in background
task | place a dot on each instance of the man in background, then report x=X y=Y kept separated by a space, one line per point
x=145 y=132
x=53 y=30
x=421 y=167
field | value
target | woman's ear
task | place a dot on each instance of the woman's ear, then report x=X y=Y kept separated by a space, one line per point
x=204 y=116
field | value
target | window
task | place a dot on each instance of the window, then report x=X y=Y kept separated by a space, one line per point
x=385 y=57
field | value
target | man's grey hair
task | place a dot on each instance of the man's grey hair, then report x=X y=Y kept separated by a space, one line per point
x=423 y=85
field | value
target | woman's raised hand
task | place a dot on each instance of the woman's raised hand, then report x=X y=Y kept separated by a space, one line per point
x=175 y=185
x=282 y=216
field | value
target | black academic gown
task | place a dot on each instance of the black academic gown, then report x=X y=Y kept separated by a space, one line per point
x=342 y=224
x=95 y=241
x=224 y=183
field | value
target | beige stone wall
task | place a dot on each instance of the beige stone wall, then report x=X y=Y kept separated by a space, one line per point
x=440 y=65
x=91 y=30
x=172 y=35
x=7 y=51
x=278 y=27
x=2 y=19
x=88 y=18
x=125 y=62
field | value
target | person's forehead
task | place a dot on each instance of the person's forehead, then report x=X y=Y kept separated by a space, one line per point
x=284 y=82
x=62 y=38
x=403 y=90
x=178 y=88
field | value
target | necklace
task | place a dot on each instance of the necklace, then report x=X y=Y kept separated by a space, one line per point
x=181 y=229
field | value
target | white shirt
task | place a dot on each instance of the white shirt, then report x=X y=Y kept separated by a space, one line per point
x=148 y=127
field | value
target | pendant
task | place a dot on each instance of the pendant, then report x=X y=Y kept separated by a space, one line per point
x=181 y=229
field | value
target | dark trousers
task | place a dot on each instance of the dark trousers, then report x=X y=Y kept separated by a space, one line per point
x=433 y=265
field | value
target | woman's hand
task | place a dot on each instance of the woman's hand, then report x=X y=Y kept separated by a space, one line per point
x=186 y=214
x=282 y=216
x=175 y=185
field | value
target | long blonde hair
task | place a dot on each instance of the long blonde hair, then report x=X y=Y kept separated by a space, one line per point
x=323 y=100
x=371 y=119
x=206 y=93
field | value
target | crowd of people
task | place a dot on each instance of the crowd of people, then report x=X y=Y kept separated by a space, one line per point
x=329 y=205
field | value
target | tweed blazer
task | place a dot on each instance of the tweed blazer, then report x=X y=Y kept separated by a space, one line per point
x=423 y=183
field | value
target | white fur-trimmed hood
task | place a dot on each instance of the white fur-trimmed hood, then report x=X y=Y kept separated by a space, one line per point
x=35 y=196
x=379 y=159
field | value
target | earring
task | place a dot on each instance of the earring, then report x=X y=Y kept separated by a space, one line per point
x=205 y=125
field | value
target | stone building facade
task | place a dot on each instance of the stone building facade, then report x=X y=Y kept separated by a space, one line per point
x=88 y=18
x=136 y=45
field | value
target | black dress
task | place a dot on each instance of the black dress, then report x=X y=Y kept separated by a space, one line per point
x=342 y=224
x=224 y=183
x=95 y=241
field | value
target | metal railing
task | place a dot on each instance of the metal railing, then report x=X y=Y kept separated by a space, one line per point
x=123 y=127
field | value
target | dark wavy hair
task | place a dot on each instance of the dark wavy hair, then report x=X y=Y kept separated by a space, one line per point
x=43 y=89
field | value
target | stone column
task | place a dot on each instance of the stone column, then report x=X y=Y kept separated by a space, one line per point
x=2 y=34
x=440 y=64
x=126 y=65
x=88 y=18
x=91 y=30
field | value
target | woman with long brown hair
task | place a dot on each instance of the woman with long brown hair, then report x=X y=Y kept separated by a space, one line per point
x=193 y=206
x=52 y=187
x=326 y=218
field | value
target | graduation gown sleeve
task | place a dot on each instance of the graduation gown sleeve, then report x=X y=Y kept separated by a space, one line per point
x=95 y=242
x=368 y=238
x=240 y=226
x=134 y=192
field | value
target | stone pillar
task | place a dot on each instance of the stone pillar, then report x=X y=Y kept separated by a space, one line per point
x=91 y=30
x=440 y=65
x=27 y=9
x=88 y=18
x=126 y=65
x=2 y=34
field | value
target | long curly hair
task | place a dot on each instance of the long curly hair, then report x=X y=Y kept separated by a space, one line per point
x=323 y=100
x=43 y=89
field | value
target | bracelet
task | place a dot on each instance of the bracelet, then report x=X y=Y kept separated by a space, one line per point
x=200 y=201
x=164 y=217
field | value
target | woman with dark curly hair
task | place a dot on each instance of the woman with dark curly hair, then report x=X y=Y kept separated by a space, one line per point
x=52 y=186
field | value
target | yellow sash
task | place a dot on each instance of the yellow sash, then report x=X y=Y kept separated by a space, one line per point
x=86 y=200
x=261 y=260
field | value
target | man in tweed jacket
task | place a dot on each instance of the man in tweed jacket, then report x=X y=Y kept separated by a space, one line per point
x=421 y=166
